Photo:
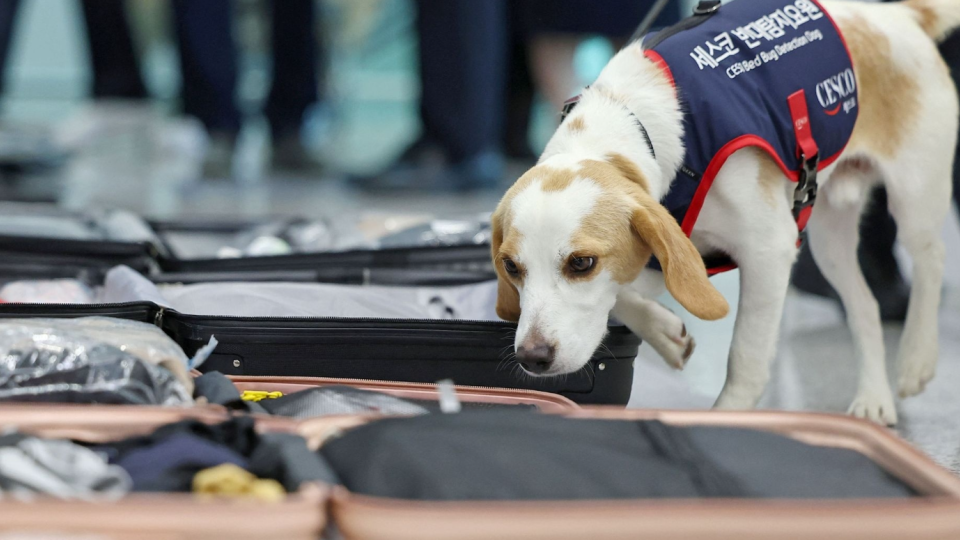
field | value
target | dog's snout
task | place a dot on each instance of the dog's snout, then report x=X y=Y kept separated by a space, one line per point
x=535 y=357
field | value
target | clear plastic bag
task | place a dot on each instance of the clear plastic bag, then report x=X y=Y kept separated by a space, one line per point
x=91 y=360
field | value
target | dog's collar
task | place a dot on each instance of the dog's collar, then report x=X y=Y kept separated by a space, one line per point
x=571 y=103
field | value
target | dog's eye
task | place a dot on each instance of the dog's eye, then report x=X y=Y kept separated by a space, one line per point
x=510 y=267
x=582 y=264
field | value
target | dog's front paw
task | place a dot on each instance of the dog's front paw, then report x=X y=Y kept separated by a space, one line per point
x=876 y=406
x=672 y=341
x=659 y=327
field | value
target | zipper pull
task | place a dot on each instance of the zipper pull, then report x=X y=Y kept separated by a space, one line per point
x=158 y=318
x=449 y=402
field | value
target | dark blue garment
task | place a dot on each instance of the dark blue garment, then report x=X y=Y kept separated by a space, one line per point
x=734 y=73
x=171 y=463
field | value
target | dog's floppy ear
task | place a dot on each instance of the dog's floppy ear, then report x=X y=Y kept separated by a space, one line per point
x=508 y=300
x=683 y=268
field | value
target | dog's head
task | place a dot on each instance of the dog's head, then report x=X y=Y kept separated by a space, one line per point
x=566 y=239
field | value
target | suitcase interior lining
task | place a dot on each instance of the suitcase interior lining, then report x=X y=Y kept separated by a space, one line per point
x=463 y=458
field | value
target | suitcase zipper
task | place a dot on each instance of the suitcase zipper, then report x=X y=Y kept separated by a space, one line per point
x=394 y=383
x=27 y=308
x=158 y=318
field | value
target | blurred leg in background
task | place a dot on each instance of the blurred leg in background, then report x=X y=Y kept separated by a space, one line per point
x=519 y=105
x=208 y=67
x=8 y=19
x=480 y=61
x=463 y=72
x=296 y=85
x=113 y=59
x=116 y=69
x=555 y=29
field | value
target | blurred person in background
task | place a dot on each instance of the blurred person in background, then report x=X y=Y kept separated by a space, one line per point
x=479 y=63
x=208 y=60
x=208 y=65
x=116 y=71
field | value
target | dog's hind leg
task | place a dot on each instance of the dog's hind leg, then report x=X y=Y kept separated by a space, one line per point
x=833 y=234
x=919 y=206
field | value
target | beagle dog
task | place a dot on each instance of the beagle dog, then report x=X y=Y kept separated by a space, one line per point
x=572 y=238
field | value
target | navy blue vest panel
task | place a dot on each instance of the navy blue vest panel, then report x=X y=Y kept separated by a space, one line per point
x=734 y=73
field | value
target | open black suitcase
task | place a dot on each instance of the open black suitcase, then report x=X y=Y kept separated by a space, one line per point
x=64 y=245
x=468 y=352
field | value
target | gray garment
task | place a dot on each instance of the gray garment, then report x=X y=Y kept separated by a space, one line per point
x=256 y=299
x=336 y=400
x=57 y=468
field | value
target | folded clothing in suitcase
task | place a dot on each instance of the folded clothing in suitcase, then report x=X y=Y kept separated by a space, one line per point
x=390 y=250
x=48 y=242
x=206 y=240
x=162 y=473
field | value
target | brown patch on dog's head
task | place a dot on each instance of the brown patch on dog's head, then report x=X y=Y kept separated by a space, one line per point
x=576 y=125
x=605 y=233
x=887 y=96
x=629 y=170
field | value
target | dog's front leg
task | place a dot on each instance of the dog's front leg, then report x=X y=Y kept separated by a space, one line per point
x=656 y=325
x=764 y=280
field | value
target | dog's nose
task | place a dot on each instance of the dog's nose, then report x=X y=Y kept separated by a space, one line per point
x=535 y=358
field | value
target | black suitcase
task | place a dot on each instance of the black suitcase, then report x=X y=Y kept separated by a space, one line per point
x=34 y=256
x=468 y=352
x=42 y=241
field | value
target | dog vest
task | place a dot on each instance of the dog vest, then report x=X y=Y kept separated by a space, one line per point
x=772 y=74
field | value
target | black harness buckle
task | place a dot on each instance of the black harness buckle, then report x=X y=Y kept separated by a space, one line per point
x=568 y=106
x=806 y=193
x=707 y=7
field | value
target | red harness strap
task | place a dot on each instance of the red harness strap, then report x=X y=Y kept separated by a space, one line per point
x=806 y=192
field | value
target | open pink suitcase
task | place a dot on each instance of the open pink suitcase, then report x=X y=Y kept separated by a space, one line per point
x=935 y=514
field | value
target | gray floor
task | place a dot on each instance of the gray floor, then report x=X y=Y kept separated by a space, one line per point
x=815 y=368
